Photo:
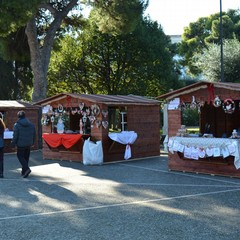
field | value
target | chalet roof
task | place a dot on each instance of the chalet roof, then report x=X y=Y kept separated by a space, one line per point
x=100 y=98
x=199 y=85
x=15 y=104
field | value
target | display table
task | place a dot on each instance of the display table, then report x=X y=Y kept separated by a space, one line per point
x=197 y=148
x=127 y=138
x=55 y=139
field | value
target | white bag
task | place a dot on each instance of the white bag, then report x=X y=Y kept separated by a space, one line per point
x=92 y=152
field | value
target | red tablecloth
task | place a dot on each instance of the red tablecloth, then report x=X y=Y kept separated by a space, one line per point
x=55 y=139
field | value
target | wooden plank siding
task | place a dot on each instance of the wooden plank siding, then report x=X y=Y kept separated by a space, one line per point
x=143 y=117
x=221 y=123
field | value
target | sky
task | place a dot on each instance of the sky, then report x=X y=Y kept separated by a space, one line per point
x=174 y=15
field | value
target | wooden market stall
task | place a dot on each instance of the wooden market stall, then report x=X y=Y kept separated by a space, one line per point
x=216 y=150
x=99 y=117
x=9 y=110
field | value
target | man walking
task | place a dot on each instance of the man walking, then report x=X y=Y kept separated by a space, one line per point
x=24 y=134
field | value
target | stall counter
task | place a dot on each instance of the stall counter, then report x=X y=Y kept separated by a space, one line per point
x=63 y=146
x=197 y=148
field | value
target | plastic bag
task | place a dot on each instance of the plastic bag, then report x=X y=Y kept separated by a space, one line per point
x=92 y=152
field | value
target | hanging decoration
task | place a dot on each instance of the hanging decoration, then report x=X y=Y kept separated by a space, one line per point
x=81 y=105
x=45 y=120
x=228 y=106
x=182 y=106
x=105 y=124
x=210 y=88
x=92 y=119
x=95 y=109
x=193 y=104
x=199 y=105
x=98 y=123
x=60 y=108
x=60 y=116
x=104 y=113
x=217 y=102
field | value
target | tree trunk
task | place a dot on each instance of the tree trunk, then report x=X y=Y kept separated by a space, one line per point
x=40 y=54
x=40 y=82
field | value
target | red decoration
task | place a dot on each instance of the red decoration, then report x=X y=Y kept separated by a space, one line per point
x=69 y=100
x=55 y=140
x=210 y=93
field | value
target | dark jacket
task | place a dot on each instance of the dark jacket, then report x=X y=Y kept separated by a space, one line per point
x=24 y=133
x=1 y=136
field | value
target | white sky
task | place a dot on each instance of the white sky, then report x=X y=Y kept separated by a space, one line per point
x=174 y=15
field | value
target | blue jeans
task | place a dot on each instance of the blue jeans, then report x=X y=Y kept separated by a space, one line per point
x=23 y=154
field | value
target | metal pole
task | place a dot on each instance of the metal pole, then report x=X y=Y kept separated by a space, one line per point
x=221 y=43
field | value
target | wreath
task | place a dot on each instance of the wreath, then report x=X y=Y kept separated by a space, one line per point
x=60 y=108
x=217 y=102
x=228 y=105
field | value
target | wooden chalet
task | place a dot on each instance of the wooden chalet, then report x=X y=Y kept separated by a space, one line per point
x=216 y=149
x=9 y=110
x=95 y=116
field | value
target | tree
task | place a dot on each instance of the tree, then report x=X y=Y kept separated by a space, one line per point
x=199 y=34
x=14 y=51
x=140 y=62
x=209 y=64
x=6 y=80
x=43 y=19
x=15 y=80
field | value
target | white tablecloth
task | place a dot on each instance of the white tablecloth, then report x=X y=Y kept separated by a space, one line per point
x=197 y=147
x=127 y=138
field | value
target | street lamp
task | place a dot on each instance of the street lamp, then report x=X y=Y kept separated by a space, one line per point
x=221 y=43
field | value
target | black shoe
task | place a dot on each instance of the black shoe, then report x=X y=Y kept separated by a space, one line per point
x=27 y=172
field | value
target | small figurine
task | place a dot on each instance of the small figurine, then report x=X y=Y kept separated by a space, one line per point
x=60 y=126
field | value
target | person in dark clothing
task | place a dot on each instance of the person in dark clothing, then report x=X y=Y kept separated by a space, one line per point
x=2 y=129
x=24 y=134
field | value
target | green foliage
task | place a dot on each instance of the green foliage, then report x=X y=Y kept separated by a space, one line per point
x=209 y=61
x=15 y=80
x=190 y=117
x=15 y=46
x=199 y=34
x=6 y=80
x=15 y=14
x=139 y=62
x=121 y=16
x=45 y=19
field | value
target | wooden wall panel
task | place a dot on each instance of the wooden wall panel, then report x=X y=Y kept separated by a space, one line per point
x=143 y=119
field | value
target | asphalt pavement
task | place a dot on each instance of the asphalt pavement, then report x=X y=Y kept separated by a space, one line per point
x=128 y=200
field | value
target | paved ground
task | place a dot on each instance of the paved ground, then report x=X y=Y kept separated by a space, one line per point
x=120 y=201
